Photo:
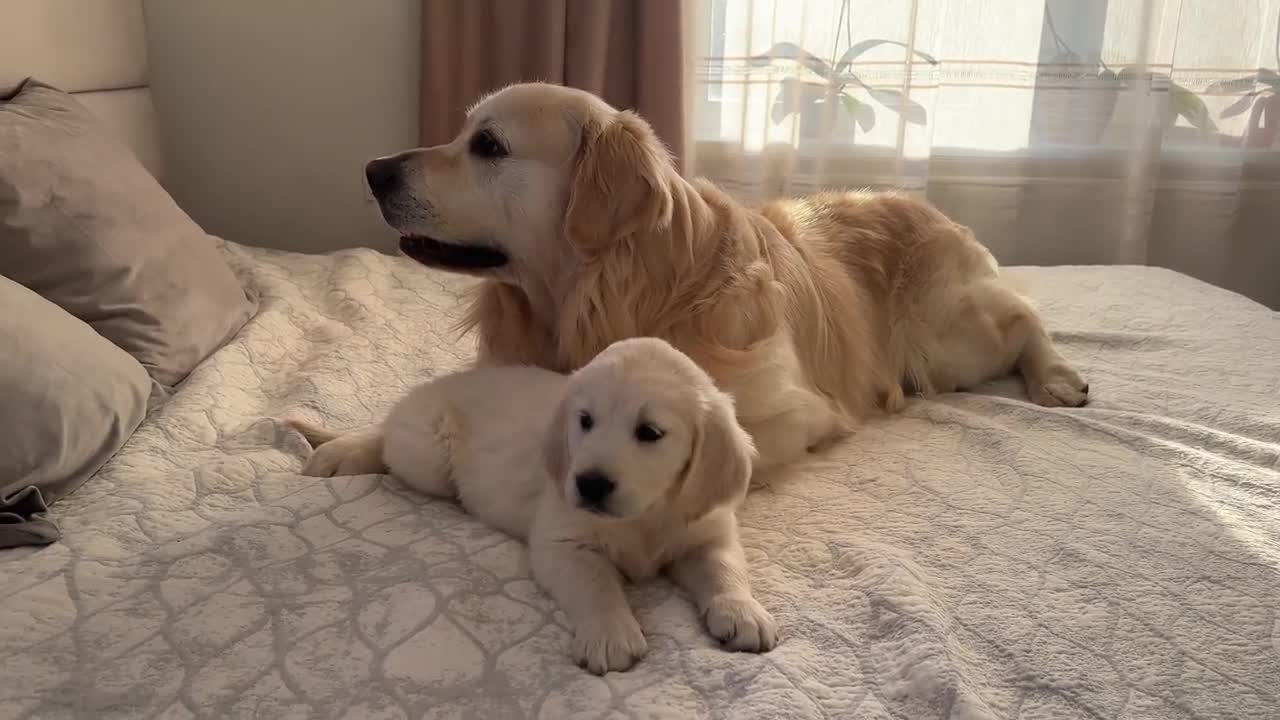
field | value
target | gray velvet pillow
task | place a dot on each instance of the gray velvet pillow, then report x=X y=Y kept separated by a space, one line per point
x=70 y=399
x=84 y=225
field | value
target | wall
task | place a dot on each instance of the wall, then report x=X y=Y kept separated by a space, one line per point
x=269 y=111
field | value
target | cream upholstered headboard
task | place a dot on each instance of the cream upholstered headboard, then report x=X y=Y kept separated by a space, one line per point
x=96 y=49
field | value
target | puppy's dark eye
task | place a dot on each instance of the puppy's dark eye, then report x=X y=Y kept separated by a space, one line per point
x=486 y=145
x=648 y=433
x=585 y=421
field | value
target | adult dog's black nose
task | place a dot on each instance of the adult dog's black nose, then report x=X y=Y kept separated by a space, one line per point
x=383 y=175
x=594 y=487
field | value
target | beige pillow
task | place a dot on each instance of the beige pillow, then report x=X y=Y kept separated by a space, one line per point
x=70 y=400
x=83 y=224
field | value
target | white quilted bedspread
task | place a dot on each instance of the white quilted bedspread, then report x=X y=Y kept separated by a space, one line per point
x=973 y=557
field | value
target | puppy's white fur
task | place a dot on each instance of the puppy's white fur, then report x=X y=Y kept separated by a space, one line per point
x=510 y=444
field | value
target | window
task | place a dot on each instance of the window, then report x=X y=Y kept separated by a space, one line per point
x=913 y=78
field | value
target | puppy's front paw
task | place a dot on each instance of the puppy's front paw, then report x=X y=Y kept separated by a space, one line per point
x=324 y=461
x=741 y=623
x=611 y=642
x=346 y=455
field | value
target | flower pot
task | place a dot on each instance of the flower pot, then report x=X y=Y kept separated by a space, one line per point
x=1264 y=122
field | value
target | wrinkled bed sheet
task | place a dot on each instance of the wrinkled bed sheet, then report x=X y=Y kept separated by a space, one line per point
x=973 y=557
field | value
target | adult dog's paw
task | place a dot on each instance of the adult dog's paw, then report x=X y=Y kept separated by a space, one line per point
x=1059 y=386
x=610 y=642
x=741 y=624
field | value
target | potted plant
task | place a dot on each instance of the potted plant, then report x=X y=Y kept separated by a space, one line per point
x=825 y=95
x=1177 y=102
x=1081 y=114
x=1260 y=97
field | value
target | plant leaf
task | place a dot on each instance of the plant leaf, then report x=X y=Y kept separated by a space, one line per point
x=1235 y=85
x=1130 y=76
x=1238 y=107
x=792 y=51
x=858 y=48
x=913 y=112
x=862 y=113
x=1246 y=83
x=793 y=96
x=1190 y=106
x=841 y=80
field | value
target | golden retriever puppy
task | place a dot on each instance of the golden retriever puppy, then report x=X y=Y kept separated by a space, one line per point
x=634 y=464
x=812 y=312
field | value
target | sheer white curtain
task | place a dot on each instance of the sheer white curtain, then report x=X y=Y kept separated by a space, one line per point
x=1061 y=131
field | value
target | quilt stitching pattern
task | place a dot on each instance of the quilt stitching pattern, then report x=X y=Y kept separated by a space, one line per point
x=972 y=557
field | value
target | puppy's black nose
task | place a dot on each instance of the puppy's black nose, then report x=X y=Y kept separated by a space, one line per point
x=594 y=487
x=383 y=175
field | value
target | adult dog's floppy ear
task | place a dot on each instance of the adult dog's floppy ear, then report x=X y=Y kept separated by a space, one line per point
x=719 y=470
x=621 y=185
x=555 y=444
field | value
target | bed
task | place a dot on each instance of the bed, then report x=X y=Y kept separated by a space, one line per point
x=975 y=556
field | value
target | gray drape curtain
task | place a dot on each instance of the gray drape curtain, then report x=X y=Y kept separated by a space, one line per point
x=630 y=52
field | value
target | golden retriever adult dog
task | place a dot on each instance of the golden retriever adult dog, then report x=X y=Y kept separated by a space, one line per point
x=812 y=312
x=635 y=463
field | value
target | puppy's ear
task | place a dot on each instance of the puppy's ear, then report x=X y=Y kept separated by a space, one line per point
x=719 y=469
x=555 y=444
x=621 y=185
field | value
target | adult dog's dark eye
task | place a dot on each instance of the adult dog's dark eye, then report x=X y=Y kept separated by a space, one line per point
x=486 y=145
x=585 y=421
x=648 y=433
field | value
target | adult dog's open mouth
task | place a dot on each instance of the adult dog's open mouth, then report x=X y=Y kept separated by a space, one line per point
x=451 y=256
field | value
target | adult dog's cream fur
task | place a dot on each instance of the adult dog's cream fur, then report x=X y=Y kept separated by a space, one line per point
x=812 y=312
x=635 y=463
